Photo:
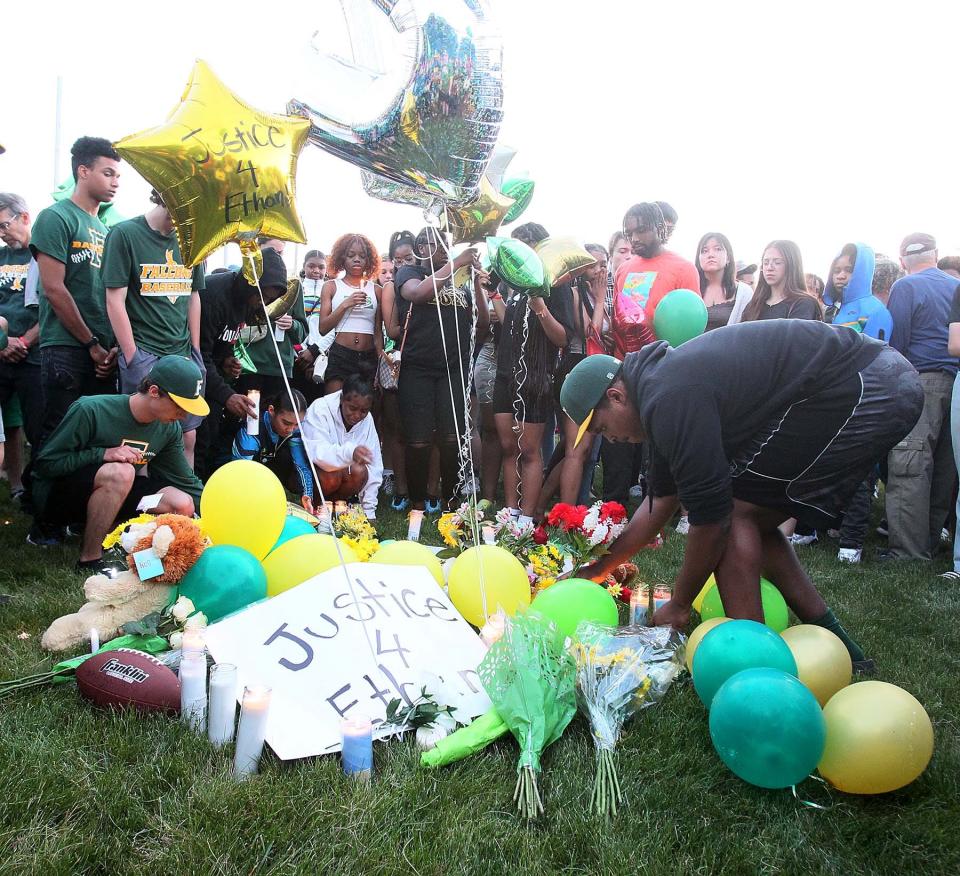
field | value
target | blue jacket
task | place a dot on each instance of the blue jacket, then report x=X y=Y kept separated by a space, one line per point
x=265 y=447
x=859 y=308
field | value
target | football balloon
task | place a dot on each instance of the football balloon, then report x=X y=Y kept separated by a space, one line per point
x=128 y=678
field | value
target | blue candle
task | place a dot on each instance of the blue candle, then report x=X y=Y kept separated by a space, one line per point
x=357 y=754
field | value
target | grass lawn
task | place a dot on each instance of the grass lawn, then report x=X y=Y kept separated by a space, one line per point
x=83 y=791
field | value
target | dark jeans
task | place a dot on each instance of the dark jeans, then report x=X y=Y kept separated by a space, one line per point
x=23 y=380
x=621 y=468
x=856 y=517
x=431 y=414
x=66 y=374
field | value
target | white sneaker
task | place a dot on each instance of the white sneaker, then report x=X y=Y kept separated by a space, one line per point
x=849 y=555
x=803 y=540
x=388 y=483
x=683 y=526
x=945 y=536
x=636 y=492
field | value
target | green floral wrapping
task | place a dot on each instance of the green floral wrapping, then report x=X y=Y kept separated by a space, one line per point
x=468 y=740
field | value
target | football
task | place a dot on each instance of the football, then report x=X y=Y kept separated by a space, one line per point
x=127 y=678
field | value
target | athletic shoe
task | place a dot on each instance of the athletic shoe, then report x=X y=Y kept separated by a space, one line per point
x=433 y=505
x=683 y=526
x=387 y=485
x=636 y=492
x=849 y=555
x=951 y=576
x=803 y=540
x=41 y=536
x=945 y=536
x=864 y=667
x=887 y=556
x=881 y=529
x=399 y=502
x=833 y=533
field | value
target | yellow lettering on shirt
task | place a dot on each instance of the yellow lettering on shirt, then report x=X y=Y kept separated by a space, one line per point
x=13 y=276
x=171 y=279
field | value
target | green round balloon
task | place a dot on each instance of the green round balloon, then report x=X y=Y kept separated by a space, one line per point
x=775 y=613
x=680 y=316
x=767 y=727
x=573 y=600
x=732 y=647
x=225 y=579
x=292 y=527
x=519 y=265
x=493 y=244
x=521 y=190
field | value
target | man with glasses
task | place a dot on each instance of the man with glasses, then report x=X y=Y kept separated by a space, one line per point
x=20 y=361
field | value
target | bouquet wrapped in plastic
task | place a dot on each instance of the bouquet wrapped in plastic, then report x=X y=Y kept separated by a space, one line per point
x=620 y=670
x=531 y=681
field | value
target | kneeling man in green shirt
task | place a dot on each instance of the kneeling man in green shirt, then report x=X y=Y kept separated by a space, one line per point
x=90 y=469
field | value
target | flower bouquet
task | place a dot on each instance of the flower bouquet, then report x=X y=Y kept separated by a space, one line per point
x=619 y=672
x=460 y=529
x=586 y=533
x=169 y=624
x=530 y=680
x=355 y=530
x=544 y=564
x=513 y=536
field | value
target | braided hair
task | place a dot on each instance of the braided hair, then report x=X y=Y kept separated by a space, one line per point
x=650 y=214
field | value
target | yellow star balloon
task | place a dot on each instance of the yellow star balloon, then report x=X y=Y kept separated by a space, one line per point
x=481 y=218
x=224 y=170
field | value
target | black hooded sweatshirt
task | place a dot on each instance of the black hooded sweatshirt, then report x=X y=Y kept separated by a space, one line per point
x=702 y=402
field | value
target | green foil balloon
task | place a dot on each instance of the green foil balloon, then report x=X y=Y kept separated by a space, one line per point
x=225 y=579
x=732 y=647
x=519 y=265
x=521 y=190
x=767 y=728
x=573 y=600
x=679 y=317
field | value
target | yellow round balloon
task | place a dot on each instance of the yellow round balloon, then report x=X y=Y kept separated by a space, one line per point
x=879 y=738
x=696 y=637
x=244 y=504
x=823 y=661
x=301 y=558
x=409 y=553
x=698 y=600
x=504 y=580
x=223 y=169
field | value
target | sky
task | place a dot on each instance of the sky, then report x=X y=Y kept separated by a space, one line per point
x=821 y=122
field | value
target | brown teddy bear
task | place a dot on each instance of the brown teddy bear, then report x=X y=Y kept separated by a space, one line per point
x=111 y=602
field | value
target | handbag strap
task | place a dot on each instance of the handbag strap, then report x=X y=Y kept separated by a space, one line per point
x=406 y=325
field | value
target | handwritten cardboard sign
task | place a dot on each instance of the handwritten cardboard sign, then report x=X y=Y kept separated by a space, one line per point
x=310 y=645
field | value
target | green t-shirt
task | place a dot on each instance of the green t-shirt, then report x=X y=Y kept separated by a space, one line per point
x=70 y=235
x=158 y=285
x=260 y=345
x=95 y=423
x=14 y=265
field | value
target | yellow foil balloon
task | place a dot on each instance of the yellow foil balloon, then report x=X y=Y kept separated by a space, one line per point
x=481 y=218
x=410 y=553
x=224 y=170
x=823 y=661
x=562 y=257
x=696 y=637
x=244 y=504
x=879 y=738
x=504 y=581
x=301 y=558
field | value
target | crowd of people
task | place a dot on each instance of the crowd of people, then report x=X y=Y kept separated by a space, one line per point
x=409 y=377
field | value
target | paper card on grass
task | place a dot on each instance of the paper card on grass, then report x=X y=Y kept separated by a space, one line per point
x=149 y=565
x=310 y=645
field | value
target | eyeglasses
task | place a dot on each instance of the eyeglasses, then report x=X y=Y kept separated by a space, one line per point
x=5 y=225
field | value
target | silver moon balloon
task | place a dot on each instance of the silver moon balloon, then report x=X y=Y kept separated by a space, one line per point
x=439 y=130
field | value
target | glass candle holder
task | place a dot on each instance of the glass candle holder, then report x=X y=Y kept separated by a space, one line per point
x=193 y=689
x=222 y=708
x=357 y=753
x=252 y=730
x=413 y=527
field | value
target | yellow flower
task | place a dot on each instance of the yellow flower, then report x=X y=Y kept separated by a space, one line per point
x=364 y=548
x=449 y=530
x=113 y=538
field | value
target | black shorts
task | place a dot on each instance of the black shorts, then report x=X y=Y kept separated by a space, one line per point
x=532 y=407
x=68 y=497
x=809 y=462
x=343 y=362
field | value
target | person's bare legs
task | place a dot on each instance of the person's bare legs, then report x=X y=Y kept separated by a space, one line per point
x=189 y=445
x=111 y=485
x=781 y=566
x=510 y=450
x=738 y=573
x=491 y=455
x=574 y=458
x=531 y=468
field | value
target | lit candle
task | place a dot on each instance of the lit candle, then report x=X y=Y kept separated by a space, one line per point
x=253 y=420
x=223 y=703
x=643 y=602
x=357 y=755
x=278 y=333
x=193 y=641
x=340 y=507
x=252 y=730
x=193 y=689
x=94 y=640
x=323 y=513
x=413 y=529
x=489 y=533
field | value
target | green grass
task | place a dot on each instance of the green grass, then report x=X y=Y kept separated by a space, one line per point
x=83 y=791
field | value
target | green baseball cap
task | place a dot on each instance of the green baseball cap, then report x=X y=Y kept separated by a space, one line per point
x=584 y=388
x=180 y=378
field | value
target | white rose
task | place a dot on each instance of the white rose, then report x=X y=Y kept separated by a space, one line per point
x=428 y=737
x=176 y=640
x=196 y=621
x=182 y=609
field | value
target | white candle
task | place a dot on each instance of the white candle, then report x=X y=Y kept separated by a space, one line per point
x=413 y=529
x=94 y=640
x=340 y=507
x=253 y=420
x=357 y=752
x=278 y=333
x=193 y=641
x=252 y=730
x=323 y=513
x=223 y=703
x=193 y=689
x=489 y=534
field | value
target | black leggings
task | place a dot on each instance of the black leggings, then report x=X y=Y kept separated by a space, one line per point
x=430 y=416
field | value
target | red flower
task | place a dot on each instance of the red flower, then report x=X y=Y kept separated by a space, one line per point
x=540 y=535
x=613 y=512
x=558 y=513
x=575 y=517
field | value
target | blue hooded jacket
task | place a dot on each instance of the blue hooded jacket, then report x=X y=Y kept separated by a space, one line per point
x=858 y=307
